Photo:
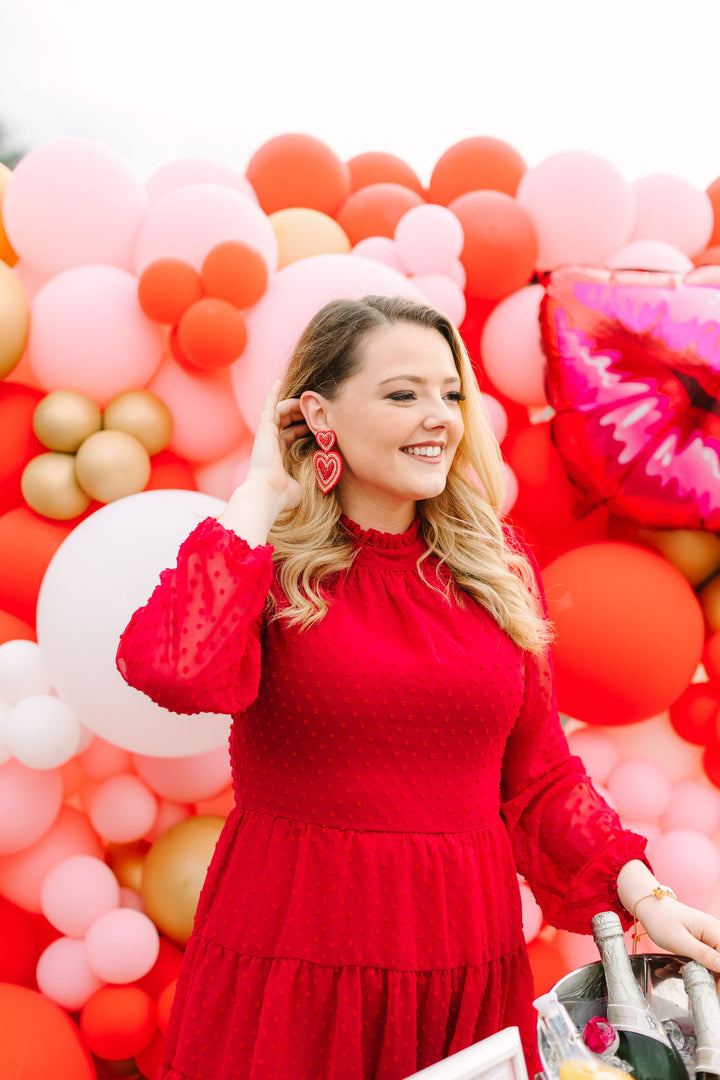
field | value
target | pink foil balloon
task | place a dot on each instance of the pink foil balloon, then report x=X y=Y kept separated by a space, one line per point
x=64 y=975
x=428 y=239
x=29 y=804
x=88 y=333
x=122 y=809
x=190 y=221
x=187 y=779
x=76 y=892
x=512 y=350
x=186 y=171
x=693 y=805
x=689 y=862
x=649 y=255
x=71 y=203
x=581 y=207
x=122 y=945
x=672 y=209
x=640 y=790
x=22 y=874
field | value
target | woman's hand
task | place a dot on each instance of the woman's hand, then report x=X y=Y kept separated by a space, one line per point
x=681 y=929
x=281 y=423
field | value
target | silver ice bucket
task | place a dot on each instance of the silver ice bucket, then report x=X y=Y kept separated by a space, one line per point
x=584 y=994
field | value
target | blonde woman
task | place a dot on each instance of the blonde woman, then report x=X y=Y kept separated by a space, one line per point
x=397 y=757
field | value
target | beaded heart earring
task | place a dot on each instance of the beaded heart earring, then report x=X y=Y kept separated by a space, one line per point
x=328 y=463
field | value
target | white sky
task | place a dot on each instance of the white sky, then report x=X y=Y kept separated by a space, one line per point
x=636 y=81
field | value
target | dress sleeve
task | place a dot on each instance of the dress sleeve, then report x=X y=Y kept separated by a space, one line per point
x=195 y=645
x=567 y=842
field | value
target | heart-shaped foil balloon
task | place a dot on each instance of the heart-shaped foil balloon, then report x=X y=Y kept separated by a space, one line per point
x=633 y=374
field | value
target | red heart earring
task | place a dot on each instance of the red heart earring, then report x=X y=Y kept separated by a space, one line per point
x=328 y=463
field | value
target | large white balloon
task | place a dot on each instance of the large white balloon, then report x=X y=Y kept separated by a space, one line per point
x=106 y=568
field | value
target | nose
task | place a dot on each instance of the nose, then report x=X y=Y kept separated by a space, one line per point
x=439 y=414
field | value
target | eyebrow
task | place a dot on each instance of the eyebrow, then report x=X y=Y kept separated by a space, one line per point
x=417 y=379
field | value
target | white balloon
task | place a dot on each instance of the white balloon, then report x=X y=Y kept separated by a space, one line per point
x=5 y=751
x=106 y=568
x=22 y=671
x=43 y=732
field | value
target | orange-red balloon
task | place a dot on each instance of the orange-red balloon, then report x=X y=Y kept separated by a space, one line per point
x=38 y=1040
x=118 y=1022
x=376 y=167
x=629 y=632
x=235 y=272
x=150 y=1059
x=500 y=249
x=211 y=334
x=18 y=442
x=298 y=170
x=167 y=288
x=477 y=164
x=169 y=470
x=696 y=714
x=164 y=971
x=376 y=210
x=547 y=963
x=164 y=1006
x=27 y=544
x=12 y=628
x=709 y=257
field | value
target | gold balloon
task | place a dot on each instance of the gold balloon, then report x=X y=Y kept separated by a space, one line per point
x=14 y=320
x=6 y=250
x=709 y=597
x=127 y=861
x=301 y=232
x=694 y=552
x=50 y=487
x=112 y=464
x=174 y=872
x=142 y=414
x=64 y=419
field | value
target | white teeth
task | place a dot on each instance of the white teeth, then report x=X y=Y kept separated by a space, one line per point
x=423 y=451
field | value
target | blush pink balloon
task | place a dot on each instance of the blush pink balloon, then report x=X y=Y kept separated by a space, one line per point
x=71 y=203
x=76 y=892
x=207 y=423
x=64 y=975
x=169 y=814
x=512 y=490
x=88 y=333
x=496 y=415
x=428 y=239
x=672 y=209
x=186 y=779
x=29 y=804
x=218 y=477
x=122 y=809
x=103 y=759
x=380 y=249
x=656 y=741
x=649 y=829
x=22 y=874
x=599 y=753
x=442 y=293
x=581 y=207
x=532 y=916
x=577 y=950
x=186 y=171
x=693 y=805
x=640 y=790
x=190 y=221
x=129 y=898
x=30 y=279
x=689 y=862
x=122 y=945
x=456 y=272
x=511 y=347
x=649 y=255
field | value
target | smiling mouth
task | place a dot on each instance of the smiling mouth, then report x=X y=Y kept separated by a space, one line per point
x=429 y=454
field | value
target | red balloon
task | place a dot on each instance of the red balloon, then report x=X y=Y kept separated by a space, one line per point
x=212 y=334
x=380 y=168
x=711 y=763
x=150 y=1059
x=18 y=442
x=476 y=164
x=167 y=287
x=20 y=946
x=235 y=272
x=164 y=971
x=12 y=628
x=298 y=170
x=709 y=257
x=27 y=544
x=696 y=713
x=164 y=1006
x=169 y=470
x=118 y=1021
x=629 y=632
x=500 y=248
x=376 y=210
x=547 y=964
x=711 y=658
x=38 y=1040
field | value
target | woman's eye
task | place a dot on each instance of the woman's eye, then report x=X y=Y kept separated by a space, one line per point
x=402 y=395
x=456 y=395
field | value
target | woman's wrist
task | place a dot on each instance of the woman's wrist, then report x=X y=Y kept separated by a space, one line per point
x=635 y=881
x=251 y=511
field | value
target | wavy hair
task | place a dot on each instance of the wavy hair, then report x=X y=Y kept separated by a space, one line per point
x=461 y=526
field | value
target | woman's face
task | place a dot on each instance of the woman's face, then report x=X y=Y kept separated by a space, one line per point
x=397 y=420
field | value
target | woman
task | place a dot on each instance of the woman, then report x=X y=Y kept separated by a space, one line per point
x=376 y=634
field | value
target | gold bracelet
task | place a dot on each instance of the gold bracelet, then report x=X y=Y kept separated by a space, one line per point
x=659 y=891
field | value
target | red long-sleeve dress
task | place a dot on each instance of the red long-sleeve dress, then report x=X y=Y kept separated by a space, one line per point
x=393 y=766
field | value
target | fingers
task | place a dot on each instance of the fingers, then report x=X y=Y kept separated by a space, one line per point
x=701 y=940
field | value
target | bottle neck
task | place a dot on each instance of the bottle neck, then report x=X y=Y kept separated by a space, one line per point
x=628 y=1009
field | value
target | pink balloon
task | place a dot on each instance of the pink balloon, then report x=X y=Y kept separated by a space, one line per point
x=206 y=420
x=532 y=916
x=103 y=759
x=672 y=209
x=190 y=221
x=64 y=975
x=511 y=347
x=380 y=249
x=689 y=862
x=640 y=790
x=577 y=950
x=693 y=805
x=512 y=490
x=30 y=279
x=428 y=239
x=169 y=814
x=129 y=898
x=650 y=830
x=88 y=333
x=293 y=296
x=186 y=171
x=656 y=741
x=442 y=293
x=122 y=809
x=76 y=892
x=122 y=945
x=71 y=203
x=649 y=255
x=599 y=753
x=496 y=415
x=581 y=207
x=186 y=779
x=218 y=477
x=29 y=804
x=456 y=272
x=22 y=874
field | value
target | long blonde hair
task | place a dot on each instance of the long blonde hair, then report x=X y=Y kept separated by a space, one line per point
x=461 y=526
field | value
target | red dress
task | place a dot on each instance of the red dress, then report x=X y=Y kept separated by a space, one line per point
x=393 y=766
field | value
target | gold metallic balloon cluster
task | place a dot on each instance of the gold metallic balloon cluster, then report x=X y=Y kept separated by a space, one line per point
x=93 y=455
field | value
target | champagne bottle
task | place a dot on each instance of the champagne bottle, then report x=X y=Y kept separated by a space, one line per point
x=643 y=1042
x=700 y=986
x=570 y=1057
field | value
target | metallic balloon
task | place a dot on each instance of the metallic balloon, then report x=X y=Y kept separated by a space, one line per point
x=14 y=320
x=694 y=552
x=49 y=487
x=64 y=419
x=112 y=464
x=142 y=414
x=709 y=598
x=127 y=861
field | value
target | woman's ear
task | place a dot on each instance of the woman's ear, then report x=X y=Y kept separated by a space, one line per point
x=314 y=409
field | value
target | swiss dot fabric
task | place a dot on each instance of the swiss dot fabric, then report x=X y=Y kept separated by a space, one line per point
x=393 y=766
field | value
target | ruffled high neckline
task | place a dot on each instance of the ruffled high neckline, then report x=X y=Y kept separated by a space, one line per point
x=386 y=540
